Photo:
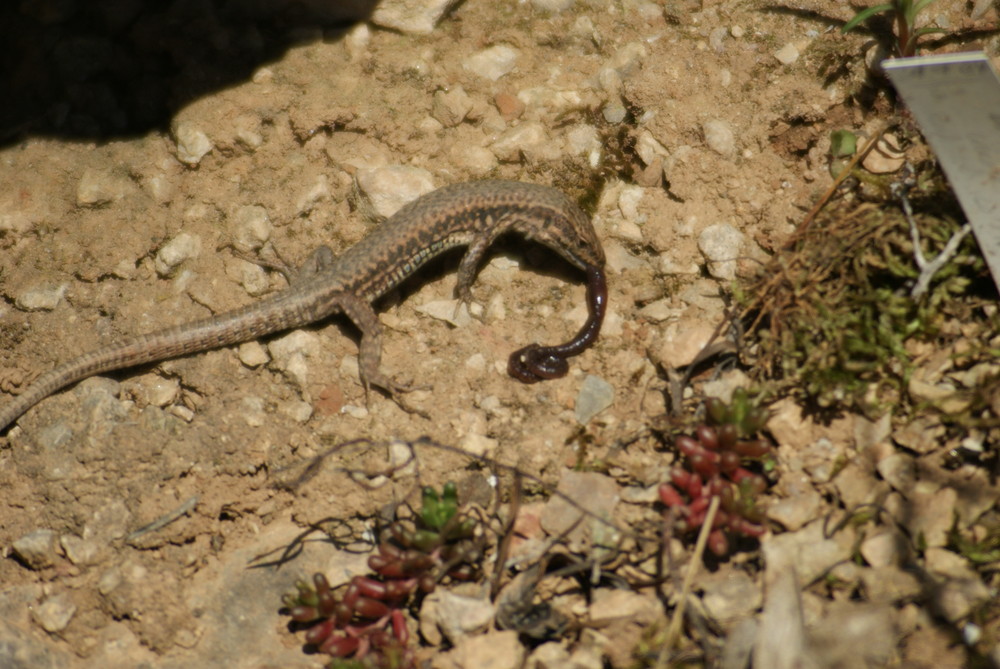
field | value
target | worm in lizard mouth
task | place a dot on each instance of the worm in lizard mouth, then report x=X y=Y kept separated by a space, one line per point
x=535 y=363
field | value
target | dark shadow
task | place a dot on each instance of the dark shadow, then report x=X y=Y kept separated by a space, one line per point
x=104 y=69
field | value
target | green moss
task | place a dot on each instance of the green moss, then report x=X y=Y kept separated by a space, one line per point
x=833 y=312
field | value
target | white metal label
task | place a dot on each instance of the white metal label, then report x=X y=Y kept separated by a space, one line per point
x=956 y=100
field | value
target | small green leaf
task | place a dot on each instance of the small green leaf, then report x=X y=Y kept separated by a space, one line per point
x=843 y=143
x=864 y=15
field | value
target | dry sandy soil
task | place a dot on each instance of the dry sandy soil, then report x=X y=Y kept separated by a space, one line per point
x=668 y=120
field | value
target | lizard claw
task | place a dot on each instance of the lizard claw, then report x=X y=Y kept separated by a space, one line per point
x=395 y=390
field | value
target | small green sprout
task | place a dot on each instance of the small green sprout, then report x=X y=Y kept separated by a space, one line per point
x=905 y=14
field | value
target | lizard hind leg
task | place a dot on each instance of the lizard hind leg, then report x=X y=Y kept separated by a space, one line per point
x=370 y=354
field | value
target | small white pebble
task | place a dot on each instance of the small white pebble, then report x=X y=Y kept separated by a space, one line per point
x=614 y=112
x=297 y=410
x=182 y=247
x=252 y=410
x=40 y=299
x=719 y=137
x=384 y=190
x=355 y=411
x=787 y=54
x=595 y=396
x=251 y=229
x=290 y=355
x=55 y=612
x=182 y=412
x=527 y=140
x=492 y=63
x=253 y=354
x=192 y=143
x=15 y=222
x=476 y=362
x=721 y=244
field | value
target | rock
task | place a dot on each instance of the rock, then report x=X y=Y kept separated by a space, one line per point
x=251 y=228
x=726 y=384
x=494 y=650
x=16 y=223
x=451 y=107
x=611 y=606
x=594 y=492
x=929 y=513
x=719 y=137
x=154 y=390
x=350 y=151
x=97 y=188
x=553 y=5
x=595 y=396
x=787 y=54
x=80 y=551
x=37 y=549
x=384 y=190
x=730 y=596
x=853 y=634
x=899 y=470
x=509 y=106
x=457 y=616
x=452 y=312
x=40 y=299
x=717 y=39
x=822 y=458
x=809 y=549
x=253 y=354
x=885 y=547
x=739 y=645
x=959 y=588
x=252 y=277
x=890 y=585
x=527 y=141
x=856 y=484
x=658 y=311
x=478 y=444
x=628 y=202
x=614 y=111
x=492 y=63
x=252 y=411
x=584 y=140
x=681 y=342
x=649 y=148
x=478 y=160
x=313 y=195
x=627 y=59
x=290 y=354
x=551 y=655
x=191 y=142
x=670 y=265
x=781 y=637
x=800 y=507
x=417 y=17
x=171 y=255
x=885 y=157
x=722 y=245
x=55 y=612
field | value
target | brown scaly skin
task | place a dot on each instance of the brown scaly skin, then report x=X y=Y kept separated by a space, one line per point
x=468 y=214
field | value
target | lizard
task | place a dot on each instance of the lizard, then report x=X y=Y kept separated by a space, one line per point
x=472 y=214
